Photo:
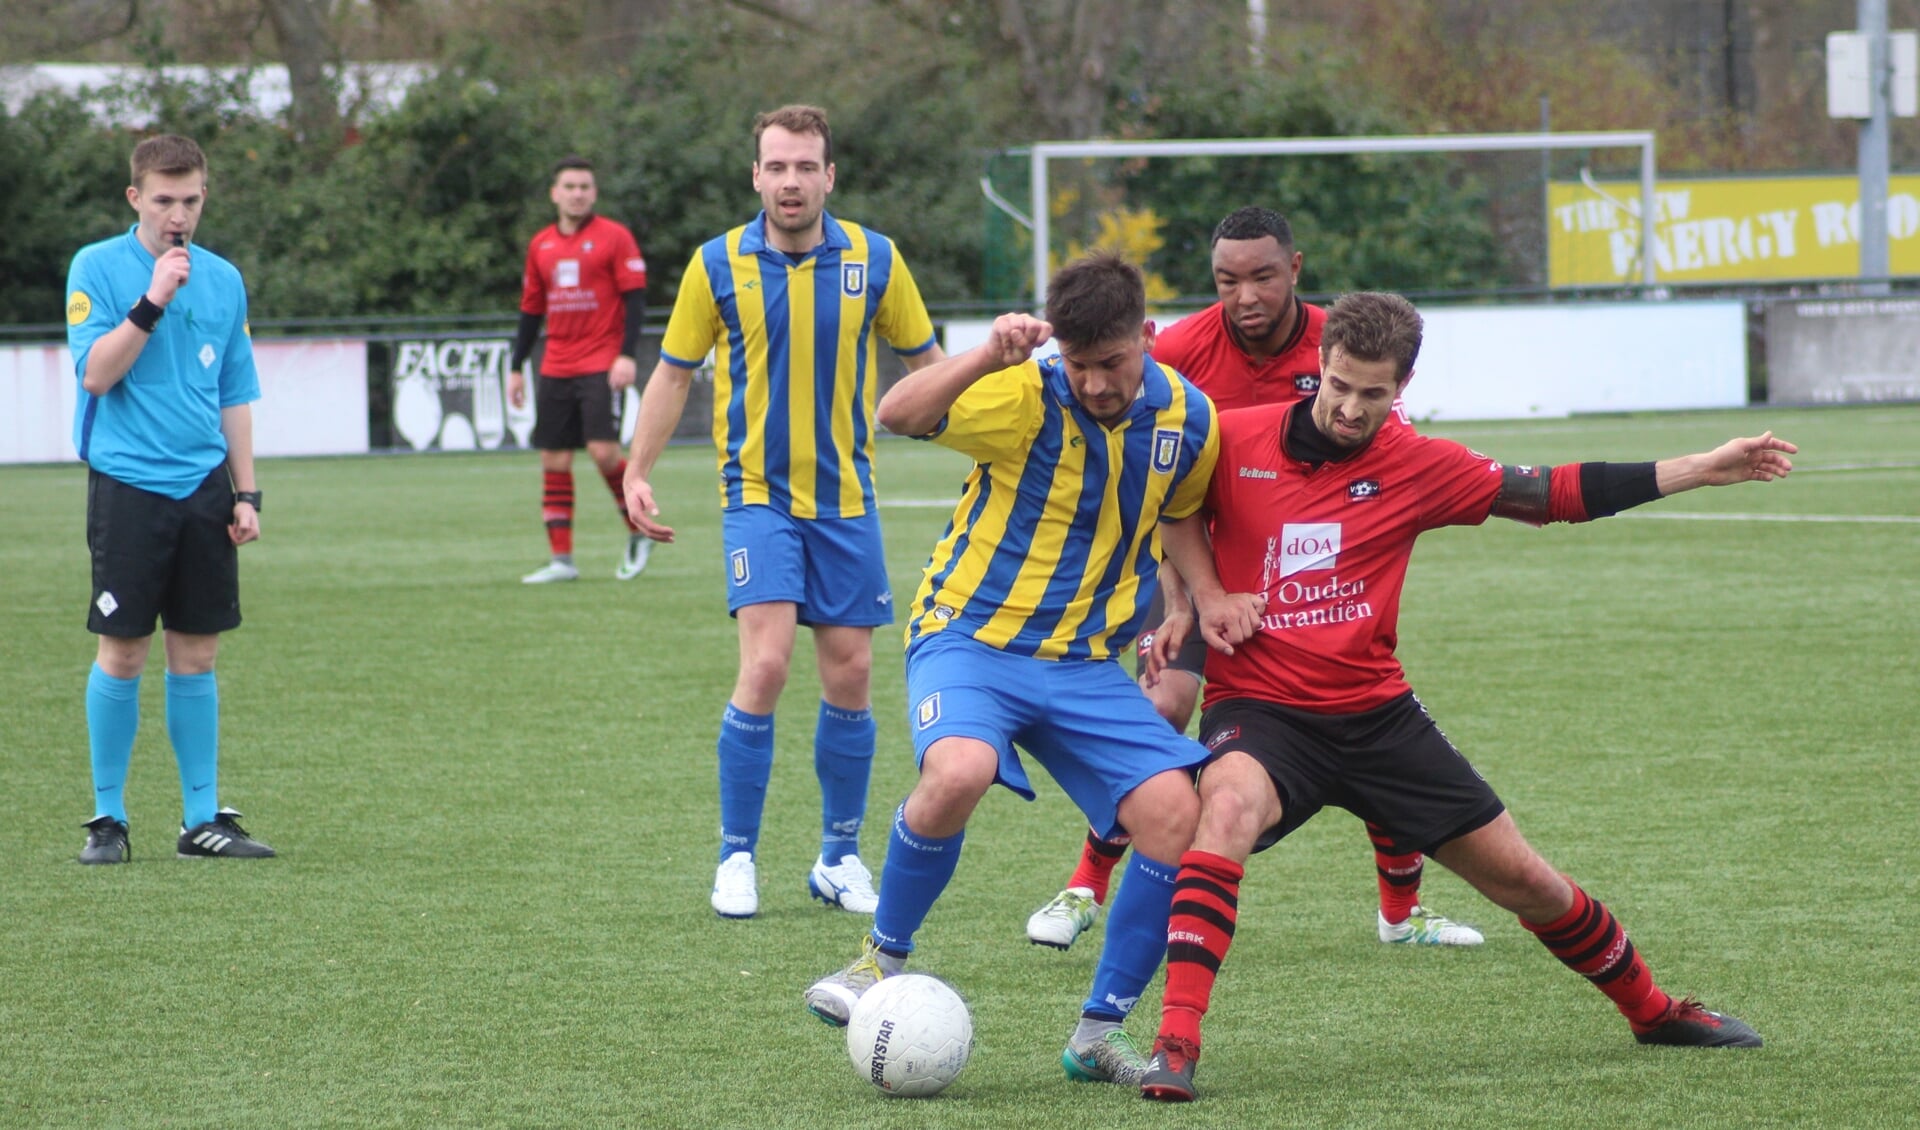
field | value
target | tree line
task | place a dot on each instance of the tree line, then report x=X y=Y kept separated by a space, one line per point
x=425 y=211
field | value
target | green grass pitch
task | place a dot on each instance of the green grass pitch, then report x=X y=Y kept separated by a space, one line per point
x=496 y=817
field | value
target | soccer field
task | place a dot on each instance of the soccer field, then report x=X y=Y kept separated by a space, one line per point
x=494 y=806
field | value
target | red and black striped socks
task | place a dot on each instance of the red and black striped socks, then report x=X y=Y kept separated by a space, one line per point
x=1097 y=860
x=1398 y=876
x=1589 y=940
x=1206 y=907
x=616 y=482
x=556 y=509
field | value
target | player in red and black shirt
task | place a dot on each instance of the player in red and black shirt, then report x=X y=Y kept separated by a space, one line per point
x=1260 y=344
x=1313 y=511
x=586 y=277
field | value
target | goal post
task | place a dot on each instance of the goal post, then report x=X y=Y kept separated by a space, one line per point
x=1040 y=153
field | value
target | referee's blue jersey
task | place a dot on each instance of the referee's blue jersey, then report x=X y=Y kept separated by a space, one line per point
x=159 y=428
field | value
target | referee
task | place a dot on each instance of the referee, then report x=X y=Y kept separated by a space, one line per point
x=163 y=422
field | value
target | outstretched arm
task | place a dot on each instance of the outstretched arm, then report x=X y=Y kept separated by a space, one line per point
x=1581 y=492
x=917 y=403
x=1754 y=459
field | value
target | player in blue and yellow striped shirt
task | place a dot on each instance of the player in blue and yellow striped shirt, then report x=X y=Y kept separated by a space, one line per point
x=793 y=305
x=1038 y=585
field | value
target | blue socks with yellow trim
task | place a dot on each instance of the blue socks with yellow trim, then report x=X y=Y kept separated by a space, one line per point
x=746 y=764
x=918 y=868
x=843 y=744
x=1136 y=938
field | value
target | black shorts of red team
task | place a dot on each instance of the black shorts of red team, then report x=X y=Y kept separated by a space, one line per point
x=570 y=412
x=162 y=558
x=1390 y=766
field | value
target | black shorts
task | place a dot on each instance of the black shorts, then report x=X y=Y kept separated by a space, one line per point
x=159 y=557
x=1192 y=656
x=1390 y=765
x=570 y=412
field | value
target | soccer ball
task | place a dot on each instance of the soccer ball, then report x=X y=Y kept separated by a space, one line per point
x=909 y=1035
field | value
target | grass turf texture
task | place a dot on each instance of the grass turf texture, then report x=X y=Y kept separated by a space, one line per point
x=495 y=811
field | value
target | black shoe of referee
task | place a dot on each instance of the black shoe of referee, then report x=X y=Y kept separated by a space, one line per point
x=106 y=841
x=221 y=838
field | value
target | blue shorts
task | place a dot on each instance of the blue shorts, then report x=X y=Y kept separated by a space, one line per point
x=833 y=569
x=1085 y=720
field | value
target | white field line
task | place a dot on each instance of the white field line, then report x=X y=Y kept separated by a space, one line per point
x=1885 y=519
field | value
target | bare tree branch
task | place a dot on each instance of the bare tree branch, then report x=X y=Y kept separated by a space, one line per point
x=307 y=49
x=35 y=29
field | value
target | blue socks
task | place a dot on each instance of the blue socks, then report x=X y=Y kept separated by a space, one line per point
x=193 y=724
x=1136 y=938
x=113 y=718
x=746 y=763
x=843 y=744
x=916 y=871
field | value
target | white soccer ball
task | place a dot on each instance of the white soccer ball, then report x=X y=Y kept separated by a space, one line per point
x=910 y=1035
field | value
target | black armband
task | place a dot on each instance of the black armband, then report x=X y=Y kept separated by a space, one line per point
x=523 y=336
x=1609 y=488
x=1525 y=493
x=145 y=315
x=636 y=320
x=250 y=497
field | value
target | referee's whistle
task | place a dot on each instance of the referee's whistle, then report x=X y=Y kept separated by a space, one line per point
x=180 y=240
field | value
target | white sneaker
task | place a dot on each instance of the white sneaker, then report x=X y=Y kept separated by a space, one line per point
x=1071 y=914
x=550 y=572
x=847 y=884
x=736 y=894
x=639 y=548
x=1427 y=928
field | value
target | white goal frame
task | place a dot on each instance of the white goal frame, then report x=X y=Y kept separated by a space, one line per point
x=1042 y=152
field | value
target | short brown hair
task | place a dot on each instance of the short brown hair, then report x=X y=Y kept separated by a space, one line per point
x=569 y=162
x=169 y=155
x=1095 y=300
x=796 y=118
x=1373 y=326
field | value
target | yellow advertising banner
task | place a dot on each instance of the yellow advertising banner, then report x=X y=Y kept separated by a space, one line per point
x=1738 y=230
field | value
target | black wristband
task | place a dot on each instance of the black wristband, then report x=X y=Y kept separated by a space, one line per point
x=145 y=315
x=250 y=497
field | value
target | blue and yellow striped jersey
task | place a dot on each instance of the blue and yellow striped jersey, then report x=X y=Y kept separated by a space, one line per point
x=1054 y=546
x=796 y=355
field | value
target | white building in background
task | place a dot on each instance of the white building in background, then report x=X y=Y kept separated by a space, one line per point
x=364 y=88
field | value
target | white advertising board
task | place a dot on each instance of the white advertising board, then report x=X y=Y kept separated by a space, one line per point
x=313 y=400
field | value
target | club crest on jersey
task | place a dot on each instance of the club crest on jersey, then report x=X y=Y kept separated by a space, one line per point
x=1306 y=383
x=1363 y=490
x=1166 y=449
x=928 y=712
x=853 y=279
x=737 y=563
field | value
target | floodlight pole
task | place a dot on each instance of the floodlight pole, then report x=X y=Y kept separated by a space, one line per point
x=1875 y=255
x=1042 y=151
